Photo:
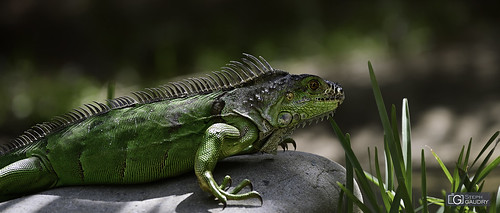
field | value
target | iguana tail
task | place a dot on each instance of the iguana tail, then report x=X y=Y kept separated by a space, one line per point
x=21 y=174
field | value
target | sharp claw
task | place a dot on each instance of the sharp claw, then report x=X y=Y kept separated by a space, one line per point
x=251 y=186
x=224 y=205
x=284 y=146
x=223 y=200
x=260 y=198
x=230 y=182
x=257 y=195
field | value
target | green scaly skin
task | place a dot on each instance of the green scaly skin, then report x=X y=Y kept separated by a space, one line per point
x=165 y=135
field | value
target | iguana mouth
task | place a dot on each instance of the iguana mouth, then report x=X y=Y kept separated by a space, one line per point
x=336 y=93
x=315 y=119
x=336 y=98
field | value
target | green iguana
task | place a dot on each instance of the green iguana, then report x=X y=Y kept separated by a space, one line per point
x=245 y=108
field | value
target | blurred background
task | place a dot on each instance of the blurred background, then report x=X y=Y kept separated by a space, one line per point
x=443 y=57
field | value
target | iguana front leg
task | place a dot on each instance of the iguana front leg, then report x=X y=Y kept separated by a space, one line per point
x=210 y=151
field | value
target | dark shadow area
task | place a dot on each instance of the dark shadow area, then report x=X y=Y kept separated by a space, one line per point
x=54 y=55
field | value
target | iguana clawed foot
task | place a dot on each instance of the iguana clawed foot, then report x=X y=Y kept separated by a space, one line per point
x=223 y=196
x=217 y=136
x=284 y=144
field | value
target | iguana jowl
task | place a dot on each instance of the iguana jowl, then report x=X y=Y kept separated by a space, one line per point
x=247 y=107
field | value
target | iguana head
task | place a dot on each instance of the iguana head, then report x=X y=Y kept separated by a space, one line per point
x=303 y=99
x=278 y=103
x=289 y=101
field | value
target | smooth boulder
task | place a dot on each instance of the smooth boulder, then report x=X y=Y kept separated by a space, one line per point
x=290 y=181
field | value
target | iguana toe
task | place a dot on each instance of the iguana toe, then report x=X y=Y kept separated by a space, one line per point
x=284 y=144
x=242 y=185
x=223 y=196
x=226 y=183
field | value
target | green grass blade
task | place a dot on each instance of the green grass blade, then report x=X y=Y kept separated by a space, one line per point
x=402 y=174
x=340 y=202
x=396 y=203
x=484 y=172
x=481 y=187
x=442 y=210
x=370 y=160
x=466 y=160
x=424 y=183
x=389 y=171
x=363 y=181
x=406 y=143
x=462 y=180
x=349 y=194
x=395 y=133
x=380 y=104
x=486 y=147
x=397 y=151
x=456 y=172
x=445 y=207
x=460 y=157
x=497 y=202
x=390 y=194
x=383 y=190
x=349 y=178
x=443 y=167
x=386 y=126
x=482 y=169
x=365 y=185
x=405 y=133
x=435 y=200
x=389 y=136
x=408 y=204
x=376 y=181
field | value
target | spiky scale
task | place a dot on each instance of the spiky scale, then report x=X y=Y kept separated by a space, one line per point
x=171 y=91
x=182 y=90
x=230 y=70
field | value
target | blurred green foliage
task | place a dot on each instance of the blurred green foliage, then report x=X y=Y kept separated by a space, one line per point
x=57 y=55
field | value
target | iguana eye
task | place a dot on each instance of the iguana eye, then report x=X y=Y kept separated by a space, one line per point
x=289 y=96
x=313 y=84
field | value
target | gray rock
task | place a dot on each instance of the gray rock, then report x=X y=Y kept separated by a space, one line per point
x=288 y=182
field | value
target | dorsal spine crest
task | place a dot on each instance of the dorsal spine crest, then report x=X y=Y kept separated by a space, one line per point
x=235 y=74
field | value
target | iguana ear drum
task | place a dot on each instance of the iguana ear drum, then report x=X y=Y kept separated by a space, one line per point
x=217 y=107
x=284 y=118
